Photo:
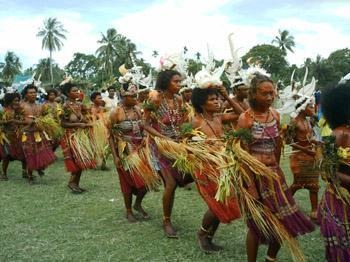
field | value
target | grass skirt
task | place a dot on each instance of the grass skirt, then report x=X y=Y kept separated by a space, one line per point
x=282 y=205
x=207 y=188
x=130 y=183
x=163 y=163
x=14 y=149
x=73 y=161
x=334 y=219
x=38 y=154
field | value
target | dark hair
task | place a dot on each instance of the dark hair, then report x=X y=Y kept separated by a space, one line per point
x=200 y=96
x=335 y=105
x=254 y=85
x=67 y=87
x=51 y=91
x=27 y=87
x=164 y=78
x=111 y=88
x=10 y=97
x=94 y=95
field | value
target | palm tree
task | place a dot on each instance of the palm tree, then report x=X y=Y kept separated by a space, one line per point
x=52 y=34
x=284 y=41
x=107 y=52
x=185 y=50
x=198 y=56
x=11 y=67
x=155 y=53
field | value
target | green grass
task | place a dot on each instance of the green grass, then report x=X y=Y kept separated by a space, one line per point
x=45 y=222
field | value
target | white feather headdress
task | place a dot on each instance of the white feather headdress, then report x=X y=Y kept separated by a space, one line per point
x=234 y=65
x=295 y=98
x=209 y=75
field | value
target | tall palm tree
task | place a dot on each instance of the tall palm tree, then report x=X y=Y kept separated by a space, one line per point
x=198 y=56
x=284 y=41
x=155 y=53
x=107 y=52
x=52 y=34
x=11 y=67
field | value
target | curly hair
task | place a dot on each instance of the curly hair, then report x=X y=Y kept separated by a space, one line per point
x=10 y=97
x=51 y=91
x=200 y=96
x=335 y=104
x=254 y=85
x=164 y=78
x=67 y=87
x=27 y=87
x=94 y=95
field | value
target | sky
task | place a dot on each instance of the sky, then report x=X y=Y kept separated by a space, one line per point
x=319 y=27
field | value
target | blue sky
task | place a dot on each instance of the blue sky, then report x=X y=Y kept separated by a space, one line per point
x=319 y=27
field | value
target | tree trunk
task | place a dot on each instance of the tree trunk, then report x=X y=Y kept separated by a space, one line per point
x=51 y=74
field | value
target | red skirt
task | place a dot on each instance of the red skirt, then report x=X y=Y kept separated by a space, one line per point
x=225 y=212
x=72 y=161
x=14 y=149
x=38 y=155
x=3 y=154
x=130 y=182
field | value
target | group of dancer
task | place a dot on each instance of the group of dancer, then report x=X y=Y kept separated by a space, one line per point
x=189 y=129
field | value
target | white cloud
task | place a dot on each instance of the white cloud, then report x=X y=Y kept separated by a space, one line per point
x=313 y=39
x=168 y=26
x=18 y=34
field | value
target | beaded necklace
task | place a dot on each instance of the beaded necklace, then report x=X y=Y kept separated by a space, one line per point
x=173 y=114
x=135 y=123
x=262 y=125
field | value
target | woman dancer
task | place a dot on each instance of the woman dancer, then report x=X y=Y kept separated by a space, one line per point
x=302 y=161
x=74 y=120
x=334 y=208
x=206 y=104
x=263 y=121
x=163 y=119
x=126 y=141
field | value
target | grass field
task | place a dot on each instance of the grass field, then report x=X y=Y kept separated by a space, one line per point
x=45 y=222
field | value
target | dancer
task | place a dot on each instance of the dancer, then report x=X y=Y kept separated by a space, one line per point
x=76 y=142
x=163 y=119
x=100 y=122
x=13 y=119
x=36 y=144
x=127 y=140
x=302 y=160
x=334 y=208
x=263 y=121
x=206 y=104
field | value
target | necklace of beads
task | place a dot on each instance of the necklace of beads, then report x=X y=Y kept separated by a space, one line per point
x=173 y=114
x=133 y=121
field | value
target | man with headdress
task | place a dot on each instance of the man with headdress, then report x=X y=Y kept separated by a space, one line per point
x=300 y=104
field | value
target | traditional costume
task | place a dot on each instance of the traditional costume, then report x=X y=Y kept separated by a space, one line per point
x=76 y=143
x=36 y=143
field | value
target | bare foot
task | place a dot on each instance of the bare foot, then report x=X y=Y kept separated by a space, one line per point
x=131 y=218
x=169 y=231
x=141 y=211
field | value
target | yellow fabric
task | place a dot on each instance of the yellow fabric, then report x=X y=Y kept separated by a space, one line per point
x=325 y=129
x=3 y=138
x=344 y=153
x=37 y=137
